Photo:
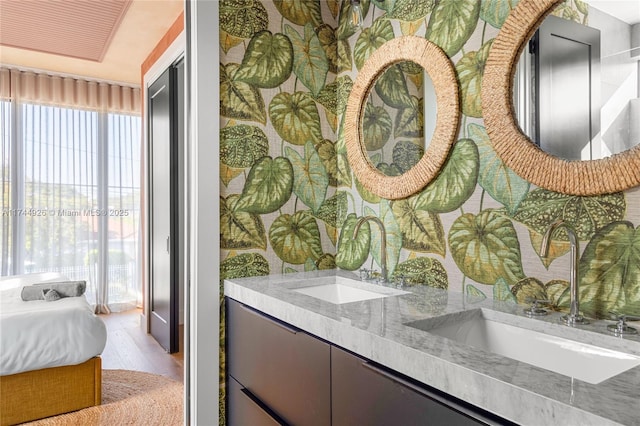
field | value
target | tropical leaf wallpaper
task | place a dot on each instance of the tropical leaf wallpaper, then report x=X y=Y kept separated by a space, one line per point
x=290 y=201
x=279 y=173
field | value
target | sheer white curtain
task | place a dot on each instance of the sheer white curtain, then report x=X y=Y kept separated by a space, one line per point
x=71 y=183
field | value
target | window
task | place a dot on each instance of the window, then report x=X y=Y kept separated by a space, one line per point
x=71 y=197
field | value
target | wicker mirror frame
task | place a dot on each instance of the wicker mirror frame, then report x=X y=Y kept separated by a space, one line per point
x=441 y=71
x=592 y=177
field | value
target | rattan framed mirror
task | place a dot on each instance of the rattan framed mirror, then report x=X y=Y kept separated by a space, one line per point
x=591 y=177
x=442 y=73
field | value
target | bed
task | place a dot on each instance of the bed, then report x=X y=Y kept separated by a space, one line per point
x=49 y=353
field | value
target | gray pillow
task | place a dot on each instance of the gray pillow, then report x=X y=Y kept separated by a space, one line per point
x=63 y=288
x=50 y=295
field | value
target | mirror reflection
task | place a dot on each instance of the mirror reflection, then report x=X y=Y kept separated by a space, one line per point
x=399 y=118
x=577 y=88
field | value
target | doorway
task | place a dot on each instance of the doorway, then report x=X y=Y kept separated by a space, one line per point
x=557 y=89
x=568 y=69
x=130 y=348
x=165 y=110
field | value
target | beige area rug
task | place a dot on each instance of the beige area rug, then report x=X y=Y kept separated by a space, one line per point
x=129 y=398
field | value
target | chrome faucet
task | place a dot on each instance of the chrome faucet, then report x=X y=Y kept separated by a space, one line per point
x=383 y=243
x=574 y=318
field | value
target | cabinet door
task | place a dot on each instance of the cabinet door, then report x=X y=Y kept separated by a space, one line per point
x=284 y=367
x=365 y=394
x=245 y=410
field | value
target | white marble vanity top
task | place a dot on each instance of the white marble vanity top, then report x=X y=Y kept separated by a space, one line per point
x=377 y=329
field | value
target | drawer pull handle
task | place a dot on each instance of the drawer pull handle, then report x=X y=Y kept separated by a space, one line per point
x=264 y=407
x=396 y=379
x=272 y=321
x=431 y=395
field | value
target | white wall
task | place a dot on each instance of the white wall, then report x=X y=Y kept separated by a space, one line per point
x=203 y=289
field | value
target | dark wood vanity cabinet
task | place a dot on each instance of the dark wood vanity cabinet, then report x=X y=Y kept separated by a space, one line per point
x=278 y=374
x=281 y=368
x=364 y=393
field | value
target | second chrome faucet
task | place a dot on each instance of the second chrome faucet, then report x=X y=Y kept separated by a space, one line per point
x=573 y=318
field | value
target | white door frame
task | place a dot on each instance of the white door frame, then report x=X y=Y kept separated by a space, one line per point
x=175 y=50
x=203 y=149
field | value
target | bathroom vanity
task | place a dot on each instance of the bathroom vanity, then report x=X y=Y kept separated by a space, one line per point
x=279 y=374
x=322 y=348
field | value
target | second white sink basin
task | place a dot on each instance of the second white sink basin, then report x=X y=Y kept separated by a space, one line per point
x=582 y=361
x=346 y=290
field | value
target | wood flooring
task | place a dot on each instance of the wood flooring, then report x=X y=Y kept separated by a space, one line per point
x=130 y=348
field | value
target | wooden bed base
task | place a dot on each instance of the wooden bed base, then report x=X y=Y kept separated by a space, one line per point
x=43 y=393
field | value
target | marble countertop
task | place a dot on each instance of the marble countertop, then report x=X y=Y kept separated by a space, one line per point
x=377 y=329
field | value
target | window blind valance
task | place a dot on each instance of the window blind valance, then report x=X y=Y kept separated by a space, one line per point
x=41 y=88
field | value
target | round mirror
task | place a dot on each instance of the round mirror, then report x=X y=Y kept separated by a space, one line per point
x=399 y=118
x=385 y=125
x=576 y=82
x=614 y=173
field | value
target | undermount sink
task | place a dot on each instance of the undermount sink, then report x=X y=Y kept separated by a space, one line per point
x=346 y=290
x=582 y=361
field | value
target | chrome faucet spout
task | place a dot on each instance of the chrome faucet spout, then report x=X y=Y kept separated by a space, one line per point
x=574 y=317
x=383 y=243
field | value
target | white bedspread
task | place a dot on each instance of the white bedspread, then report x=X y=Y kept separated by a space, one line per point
x=40 y=334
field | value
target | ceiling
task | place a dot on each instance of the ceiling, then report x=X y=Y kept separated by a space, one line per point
x=626 y=10
x=104 y=40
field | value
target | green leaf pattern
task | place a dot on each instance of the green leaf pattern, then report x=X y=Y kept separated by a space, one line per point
x=300 y=11
x=586 y=215
x=470 y=70
x=328 y=155
x=423 y=271
x=267 y=187
x=495 y=177
x=352 y=252
x=610 y=271
x=502 y=293
x=394 y=236
x=238 y=99
x=310 y=63
x=370 y=39
x=456 y=181
x=240 y=230
x=495 y=12
x=486 y=248
x=244 y=265
x=392 y=88
x=422 y=230
x=334 y=210
x=406 y=154
x=333 y=48
x=296 y=237
x=452 y=23
x=376 y=126
x=295 y=117
x=243 y=18
x=410 y=120
x=297 y=56
x=242 y=145
x=310 y=180
x=268 y=61
x=410 y=10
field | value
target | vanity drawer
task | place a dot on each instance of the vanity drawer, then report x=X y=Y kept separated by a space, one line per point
x=284 y=367
x=244 y=409
x=365 y=394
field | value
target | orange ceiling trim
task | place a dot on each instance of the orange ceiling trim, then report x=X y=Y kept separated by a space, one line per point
x=163 y=44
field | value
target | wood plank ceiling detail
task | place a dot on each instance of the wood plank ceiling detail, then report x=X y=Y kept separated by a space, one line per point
x=74 y=28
